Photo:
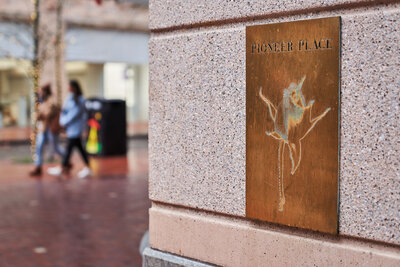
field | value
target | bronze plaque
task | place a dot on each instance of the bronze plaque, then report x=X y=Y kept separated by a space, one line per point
x=292 y=122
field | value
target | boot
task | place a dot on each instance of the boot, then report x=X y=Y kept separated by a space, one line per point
x=36 y=172
x=67 y=169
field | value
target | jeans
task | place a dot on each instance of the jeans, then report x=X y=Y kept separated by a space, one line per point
x=54 y=145
x=41 y=140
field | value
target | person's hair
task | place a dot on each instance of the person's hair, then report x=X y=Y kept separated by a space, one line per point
x=76 y=89
x=46 y=91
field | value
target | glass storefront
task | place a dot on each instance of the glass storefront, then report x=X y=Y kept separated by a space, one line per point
x=15 y=93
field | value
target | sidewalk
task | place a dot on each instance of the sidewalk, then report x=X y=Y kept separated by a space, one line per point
x=21 y=135
x=74 y=222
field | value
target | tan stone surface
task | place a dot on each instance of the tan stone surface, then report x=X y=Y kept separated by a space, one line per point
x=173 y=13
x=197 y=120
x=232 y=242
x=370 y=127
x=197 y=127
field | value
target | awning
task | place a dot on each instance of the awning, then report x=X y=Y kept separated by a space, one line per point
x=16 y=40
x=99 y=46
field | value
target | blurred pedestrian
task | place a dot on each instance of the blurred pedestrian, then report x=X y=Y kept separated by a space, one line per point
x=48 y=127
x=54 y=129
x=73 y=119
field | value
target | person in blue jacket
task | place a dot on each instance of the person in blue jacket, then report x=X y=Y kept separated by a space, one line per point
x=73 y=119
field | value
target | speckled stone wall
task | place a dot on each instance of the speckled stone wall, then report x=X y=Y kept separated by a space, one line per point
x=182 y=13
x=197 y=107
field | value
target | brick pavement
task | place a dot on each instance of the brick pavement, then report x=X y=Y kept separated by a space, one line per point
x=74 y=222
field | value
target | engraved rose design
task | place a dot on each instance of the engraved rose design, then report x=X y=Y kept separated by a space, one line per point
x=292 y=123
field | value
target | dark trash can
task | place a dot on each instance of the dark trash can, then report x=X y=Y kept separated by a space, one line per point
x=106 y=127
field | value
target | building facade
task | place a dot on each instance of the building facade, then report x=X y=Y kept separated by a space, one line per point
x=104 y=46
x=197 y=137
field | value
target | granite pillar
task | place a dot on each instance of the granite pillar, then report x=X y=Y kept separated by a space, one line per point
x=197 y=131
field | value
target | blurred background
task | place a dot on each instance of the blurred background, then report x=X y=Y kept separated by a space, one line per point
x=66 y=221
x=104 y=46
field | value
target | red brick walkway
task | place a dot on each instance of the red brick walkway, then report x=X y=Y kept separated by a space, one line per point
x=74 y=222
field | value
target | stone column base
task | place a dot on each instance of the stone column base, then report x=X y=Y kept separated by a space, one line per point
x=156 y=258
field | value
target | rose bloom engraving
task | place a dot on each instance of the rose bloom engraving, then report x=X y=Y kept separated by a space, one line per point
x=292 y=123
